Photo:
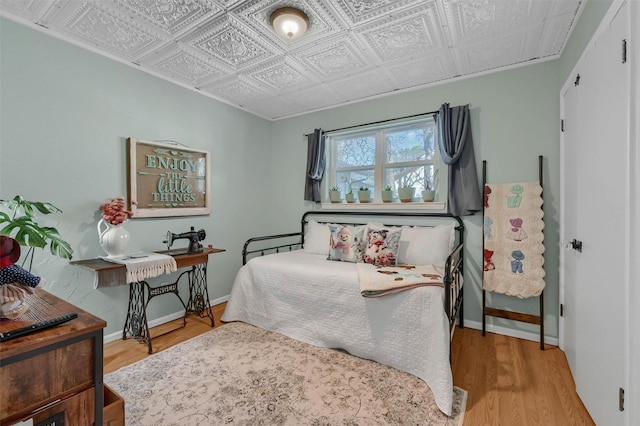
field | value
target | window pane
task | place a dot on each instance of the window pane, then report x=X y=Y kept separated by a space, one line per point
x=417 y=144
x=356 y=151
x=355 y=179
x=418 y=177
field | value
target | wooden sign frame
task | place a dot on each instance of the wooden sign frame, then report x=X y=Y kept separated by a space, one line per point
x=167 y=180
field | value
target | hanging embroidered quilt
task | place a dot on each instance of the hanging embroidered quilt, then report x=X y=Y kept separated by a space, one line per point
x=513 y=239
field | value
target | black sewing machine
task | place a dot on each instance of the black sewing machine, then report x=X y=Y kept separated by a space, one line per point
x=194 y=238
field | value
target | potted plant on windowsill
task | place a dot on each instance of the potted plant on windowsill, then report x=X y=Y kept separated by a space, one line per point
x=387 y=194
x=364 y=195
x=350 y=197
x=406 y=194
x=429 y=193
x=335 y=195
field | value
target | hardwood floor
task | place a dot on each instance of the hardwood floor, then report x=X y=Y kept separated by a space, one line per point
x=512 y=382
x=119 y=353
x=509 y=381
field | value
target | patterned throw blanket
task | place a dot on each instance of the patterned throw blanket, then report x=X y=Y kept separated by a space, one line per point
x=376 y=281
x=141 y=266
x=513 y=239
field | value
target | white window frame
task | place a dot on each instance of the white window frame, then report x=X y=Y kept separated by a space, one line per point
x=378 y=131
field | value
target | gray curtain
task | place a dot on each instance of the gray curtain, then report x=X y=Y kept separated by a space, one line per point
x=315 y=165
x=456 y=147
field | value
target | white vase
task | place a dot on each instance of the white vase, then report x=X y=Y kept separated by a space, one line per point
x=406 y=194
x=364 y=196
x=114 y=239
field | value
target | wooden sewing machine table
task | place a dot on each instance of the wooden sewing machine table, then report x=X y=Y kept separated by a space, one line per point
x=140 y=293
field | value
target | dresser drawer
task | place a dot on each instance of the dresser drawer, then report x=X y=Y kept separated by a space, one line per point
x=33 y=382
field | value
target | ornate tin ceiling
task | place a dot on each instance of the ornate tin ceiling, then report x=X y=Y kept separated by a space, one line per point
x=353 y=50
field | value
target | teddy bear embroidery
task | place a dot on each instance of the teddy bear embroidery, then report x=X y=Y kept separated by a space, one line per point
x=488 y=263
x=486 y=191
x=487 y=227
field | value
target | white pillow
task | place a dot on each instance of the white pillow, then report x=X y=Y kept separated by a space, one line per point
x=317 y=238
x=426 y=245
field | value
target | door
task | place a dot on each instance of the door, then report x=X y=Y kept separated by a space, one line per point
x=595 y=192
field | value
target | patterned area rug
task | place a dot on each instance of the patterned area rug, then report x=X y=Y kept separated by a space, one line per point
x=242 y=375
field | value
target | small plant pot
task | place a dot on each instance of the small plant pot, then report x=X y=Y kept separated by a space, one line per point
x=387 y=196
x=428 y=195
x=406 y=194
x=350 y=198
x=364 y=196
x=335 y=196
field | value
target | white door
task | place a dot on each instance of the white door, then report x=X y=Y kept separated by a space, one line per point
x=595 y=191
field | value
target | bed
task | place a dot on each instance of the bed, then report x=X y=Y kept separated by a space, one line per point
x=288 y=285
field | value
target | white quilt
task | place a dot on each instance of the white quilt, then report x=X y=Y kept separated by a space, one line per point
x=317 y=301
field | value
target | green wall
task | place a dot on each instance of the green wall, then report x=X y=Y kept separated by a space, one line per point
x=515 y=118
x=65 y=114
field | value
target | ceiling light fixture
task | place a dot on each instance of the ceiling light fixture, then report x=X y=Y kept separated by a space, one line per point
x=290 y=23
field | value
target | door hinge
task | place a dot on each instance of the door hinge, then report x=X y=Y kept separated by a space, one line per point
x=562 y=309
x=621 y=400
x=624 y=51
x=562 y=125
x=577 y=82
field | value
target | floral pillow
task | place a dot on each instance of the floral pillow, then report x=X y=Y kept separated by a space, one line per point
x=346 y=243
x=382 y=246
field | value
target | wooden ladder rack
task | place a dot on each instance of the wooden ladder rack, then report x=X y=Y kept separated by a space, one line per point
x=501 y=313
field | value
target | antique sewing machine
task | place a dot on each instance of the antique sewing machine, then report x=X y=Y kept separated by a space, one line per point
x=194 y=238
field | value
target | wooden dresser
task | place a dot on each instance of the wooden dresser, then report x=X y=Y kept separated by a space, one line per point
x=53 y=374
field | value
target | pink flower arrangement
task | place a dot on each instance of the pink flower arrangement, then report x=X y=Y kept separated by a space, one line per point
x=114 y=211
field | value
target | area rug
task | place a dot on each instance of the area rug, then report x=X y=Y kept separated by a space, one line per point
x=239 y=374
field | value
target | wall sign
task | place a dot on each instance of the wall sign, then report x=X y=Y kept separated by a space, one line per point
x=167 y=180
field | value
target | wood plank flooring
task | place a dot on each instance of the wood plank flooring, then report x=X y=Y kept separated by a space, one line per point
x=510 y=381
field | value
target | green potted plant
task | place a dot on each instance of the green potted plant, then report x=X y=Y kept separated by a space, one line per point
x=406 y=194
x=335 y=195
x=350 y=197
x=364 y=195
x=21 y=225
x=387 y=194
x=429 y=193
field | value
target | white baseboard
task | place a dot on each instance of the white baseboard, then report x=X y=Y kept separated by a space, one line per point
x=520 y=334
x=162 y=320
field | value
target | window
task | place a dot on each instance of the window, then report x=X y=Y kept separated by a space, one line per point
x=398 y=154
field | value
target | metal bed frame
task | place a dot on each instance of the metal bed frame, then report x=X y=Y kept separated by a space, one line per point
x=454 y=266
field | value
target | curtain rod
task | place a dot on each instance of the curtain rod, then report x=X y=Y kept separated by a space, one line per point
x=377 y=122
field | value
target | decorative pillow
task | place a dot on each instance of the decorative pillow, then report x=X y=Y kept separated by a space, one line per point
x=317 y=238
x=426 y=245
x=382 y=246
x=346 y=243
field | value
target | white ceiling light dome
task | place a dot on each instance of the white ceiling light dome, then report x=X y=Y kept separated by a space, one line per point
x=289 y=23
